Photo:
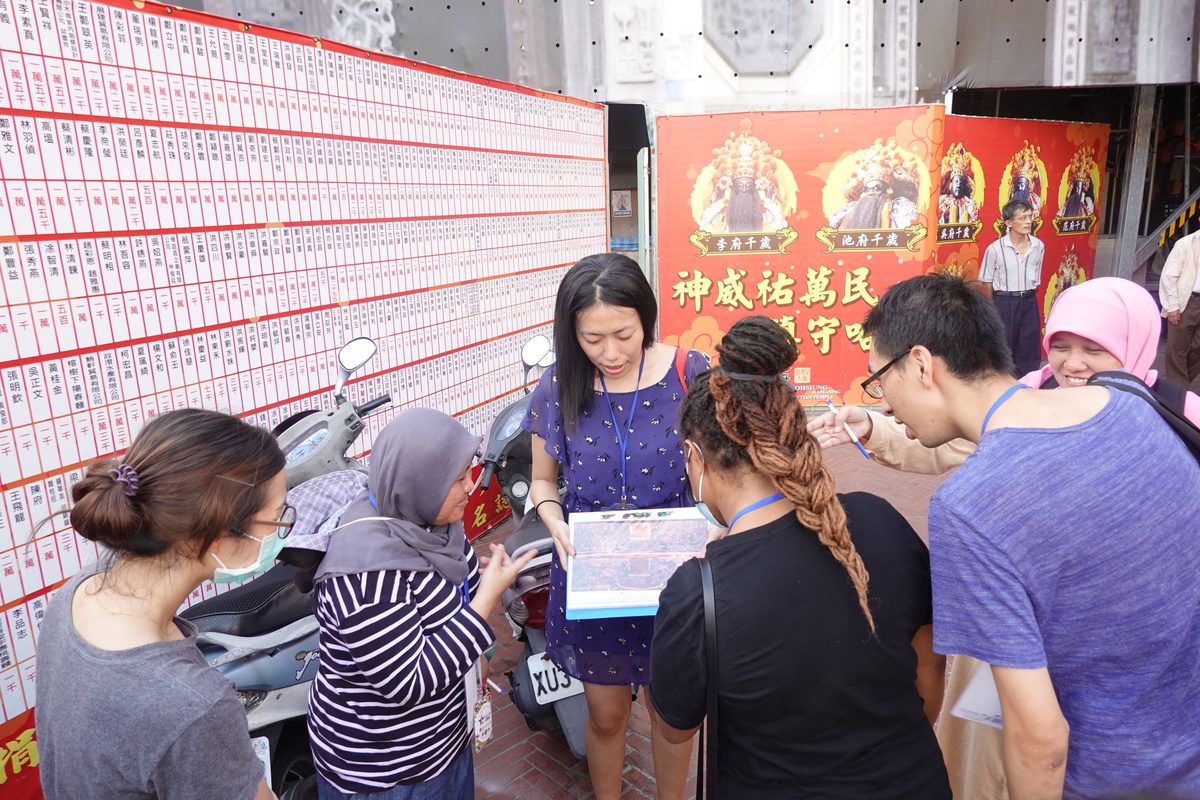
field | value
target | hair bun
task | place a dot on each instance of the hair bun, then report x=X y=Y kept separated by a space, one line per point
x=103 y=509
x=757 y=345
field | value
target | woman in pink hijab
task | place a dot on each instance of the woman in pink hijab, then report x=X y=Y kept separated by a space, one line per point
x=1103 y=324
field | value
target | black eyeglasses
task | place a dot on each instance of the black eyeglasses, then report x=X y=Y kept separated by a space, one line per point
x=871 y=385
x=287 y=519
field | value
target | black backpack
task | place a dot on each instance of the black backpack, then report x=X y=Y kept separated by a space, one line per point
x=1165 y=397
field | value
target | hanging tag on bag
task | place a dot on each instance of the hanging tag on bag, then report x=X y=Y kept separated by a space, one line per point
x=483 y=719
x=479 y=707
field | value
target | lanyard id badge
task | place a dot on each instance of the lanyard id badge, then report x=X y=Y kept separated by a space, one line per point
x=623 y=440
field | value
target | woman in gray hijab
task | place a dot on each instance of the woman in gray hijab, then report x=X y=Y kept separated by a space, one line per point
x=403 y=606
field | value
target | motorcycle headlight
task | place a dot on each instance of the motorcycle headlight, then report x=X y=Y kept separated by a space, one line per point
x=509 y=423
x=251 y=698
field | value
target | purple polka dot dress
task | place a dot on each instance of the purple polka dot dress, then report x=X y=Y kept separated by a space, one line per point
x=614 y=651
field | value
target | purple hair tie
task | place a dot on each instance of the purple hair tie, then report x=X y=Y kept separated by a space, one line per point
x=127 y=475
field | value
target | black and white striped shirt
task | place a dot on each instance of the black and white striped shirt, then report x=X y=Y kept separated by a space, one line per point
x=388 y=704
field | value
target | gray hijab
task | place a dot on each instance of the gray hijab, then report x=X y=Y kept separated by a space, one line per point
x=414 y=463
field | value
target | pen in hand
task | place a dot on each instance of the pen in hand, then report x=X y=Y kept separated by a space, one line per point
x=850 y=433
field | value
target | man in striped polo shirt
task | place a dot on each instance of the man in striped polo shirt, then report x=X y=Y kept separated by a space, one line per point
x=1012 y=266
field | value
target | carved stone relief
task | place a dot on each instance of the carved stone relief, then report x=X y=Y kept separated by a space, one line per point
x=757 y=37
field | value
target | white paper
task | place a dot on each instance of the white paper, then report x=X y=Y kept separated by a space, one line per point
x=980 y=702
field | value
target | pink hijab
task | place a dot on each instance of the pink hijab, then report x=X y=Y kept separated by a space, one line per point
x=1116 y=314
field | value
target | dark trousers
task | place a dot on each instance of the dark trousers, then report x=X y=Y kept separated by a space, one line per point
x=1183 y=348
x=1023 y=326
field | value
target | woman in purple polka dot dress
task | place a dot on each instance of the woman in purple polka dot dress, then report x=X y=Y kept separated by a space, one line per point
x=606 y=415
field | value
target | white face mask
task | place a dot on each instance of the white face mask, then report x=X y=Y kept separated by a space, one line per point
x=268 y=548
x=696 y=498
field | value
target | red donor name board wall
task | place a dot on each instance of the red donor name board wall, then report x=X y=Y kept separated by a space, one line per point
x=198 y=212
x=808 y=217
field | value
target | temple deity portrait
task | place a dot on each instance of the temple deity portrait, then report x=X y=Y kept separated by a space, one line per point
x=882 y=191
x=1078 y=189
x=746 y=188
x=957 y=191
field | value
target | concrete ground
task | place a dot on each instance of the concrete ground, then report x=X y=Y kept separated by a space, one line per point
x=520 y=763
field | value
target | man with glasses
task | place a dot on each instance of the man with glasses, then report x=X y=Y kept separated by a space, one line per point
x=1012 y=268
x=1086 y=604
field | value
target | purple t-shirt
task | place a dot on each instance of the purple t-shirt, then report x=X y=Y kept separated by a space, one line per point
x=1076 y=549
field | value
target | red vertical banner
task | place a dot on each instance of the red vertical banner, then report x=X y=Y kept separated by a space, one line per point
x=1056 y=166
x=806 y=217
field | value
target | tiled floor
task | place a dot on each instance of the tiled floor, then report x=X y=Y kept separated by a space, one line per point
x=520 y=763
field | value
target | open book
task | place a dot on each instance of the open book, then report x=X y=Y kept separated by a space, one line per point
x=623 y=558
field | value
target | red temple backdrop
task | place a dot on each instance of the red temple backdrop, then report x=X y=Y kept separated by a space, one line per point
x=808 y=217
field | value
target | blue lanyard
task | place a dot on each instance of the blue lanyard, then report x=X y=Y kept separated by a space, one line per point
x=624 y=440
x=466 y=594
x=766 y=501
x=999 y=402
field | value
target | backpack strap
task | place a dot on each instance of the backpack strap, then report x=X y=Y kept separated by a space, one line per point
x=1172 y=395
x=681 y=367
x=1184 y=427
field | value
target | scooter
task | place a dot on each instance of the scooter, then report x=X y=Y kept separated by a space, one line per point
x=263 y=635
x=508 y=455
x=547 y=697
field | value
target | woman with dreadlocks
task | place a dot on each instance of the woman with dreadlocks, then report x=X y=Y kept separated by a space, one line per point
x=826 y=677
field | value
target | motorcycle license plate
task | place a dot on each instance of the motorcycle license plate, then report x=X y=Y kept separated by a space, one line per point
x=549 y=682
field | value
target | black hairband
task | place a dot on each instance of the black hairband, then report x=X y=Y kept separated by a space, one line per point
x=742 y=376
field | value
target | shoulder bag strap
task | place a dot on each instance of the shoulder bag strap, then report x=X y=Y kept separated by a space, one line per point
x=1184 y=427
x=710 y=657
x=681 y=367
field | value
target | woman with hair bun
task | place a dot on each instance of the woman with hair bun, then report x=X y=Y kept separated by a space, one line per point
x=827 y=682
x=127 y=706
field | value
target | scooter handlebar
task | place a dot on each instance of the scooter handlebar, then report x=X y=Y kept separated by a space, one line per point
x=373 y=405
x=485 y=480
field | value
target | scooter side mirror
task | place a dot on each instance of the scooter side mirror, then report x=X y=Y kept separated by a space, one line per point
x=352 y=355
x=535 y=351
x=547 y=360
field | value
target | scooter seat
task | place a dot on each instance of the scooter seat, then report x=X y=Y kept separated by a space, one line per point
x=265 y=604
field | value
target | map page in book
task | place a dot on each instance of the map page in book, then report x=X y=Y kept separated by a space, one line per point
x=623 y=558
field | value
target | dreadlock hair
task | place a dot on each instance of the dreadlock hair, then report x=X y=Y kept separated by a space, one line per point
x=760 y=425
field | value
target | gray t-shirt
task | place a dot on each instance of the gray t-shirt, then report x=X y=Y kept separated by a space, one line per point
x=153 y=721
